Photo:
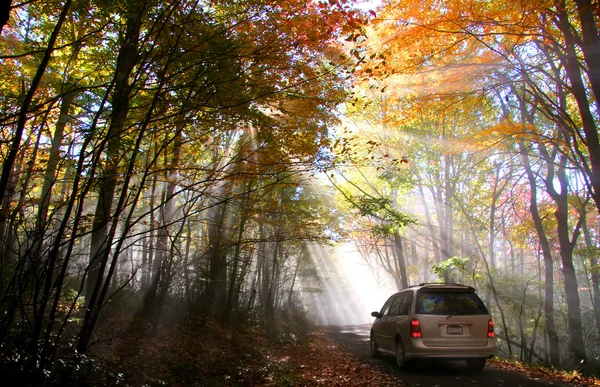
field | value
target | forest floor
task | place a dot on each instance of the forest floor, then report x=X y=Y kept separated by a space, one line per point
x=201 y=352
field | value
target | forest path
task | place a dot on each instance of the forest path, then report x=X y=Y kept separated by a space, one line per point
x=355 y=339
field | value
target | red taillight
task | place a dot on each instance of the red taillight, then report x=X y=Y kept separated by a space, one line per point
x=415 y=328
x=490 y=328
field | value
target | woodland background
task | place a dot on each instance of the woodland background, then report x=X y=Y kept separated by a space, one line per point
x=187 y=158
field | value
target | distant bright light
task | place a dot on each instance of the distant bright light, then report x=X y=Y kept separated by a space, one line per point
x=372 y=289
x=350 y=290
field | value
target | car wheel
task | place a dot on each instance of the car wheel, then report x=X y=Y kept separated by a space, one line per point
x=401 y=361
x=476 y=364
x=374 y=350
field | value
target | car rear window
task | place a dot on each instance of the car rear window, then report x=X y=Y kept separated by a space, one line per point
x=449 y=303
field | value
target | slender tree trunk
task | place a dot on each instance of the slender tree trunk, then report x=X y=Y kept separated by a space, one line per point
x=236 y=256
x=217 y=257
x=247 y=261
x=413 y=252
x=144 y=263
x=294 y=278
x=389 y=264
x=10 y=249
x=492 y=224
x=548 y=261
x=166 y=212
x=432 y=234
x=591 y=43
x=593 y=273
x=567 y=244
x=126 y=60
x=186 y=259
x=538 y=317
x=426 y=262
x=549 y=318
x=269 y=310
x=578 y=88
x=524 y=353
x=148 y=265
x=492 y=283
x=264 y=282
x=401 y=259
x=448 y=206
x=51 y=170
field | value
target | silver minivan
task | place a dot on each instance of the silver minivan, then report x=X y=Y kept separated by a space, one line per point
x=434 y=321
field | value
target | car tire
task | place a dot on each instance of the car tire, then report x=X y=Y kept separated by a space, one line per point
x=476 y=365
x=373 y=345
x=401 y=361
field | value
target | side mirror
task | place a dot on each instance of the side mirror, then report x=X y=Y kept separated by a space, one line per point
x=376 y=314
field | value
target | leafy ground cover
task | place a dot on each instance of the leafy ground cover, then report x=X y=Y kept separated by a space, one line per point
x=201 y=352
x=544 y=373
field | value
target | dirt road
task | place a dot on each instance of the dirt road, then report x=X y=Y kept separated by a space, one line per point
x=430 y=374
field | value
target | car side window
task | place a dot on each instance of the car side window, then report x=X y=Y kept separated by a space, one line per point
x=386 y=307
x=395 y=305
x=405 y=303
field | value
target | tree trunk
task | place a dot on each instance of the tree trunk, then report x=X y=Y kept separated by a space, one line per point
x=567 y=244
x=9 y=249
x=591 y=44
x=275 y=265
x=236 y=256
x=186 y=259
x=217 y=285
x=492 y=224
x=401 y=259
x=413 y=252
x=51 y=167
x=126 y=60
x=578 y=88
x=448 y=205
x=147 y=265
x=386 y=262
x=299 y=260
x=263 y=264
x=593 y=250
x=548 y=261
x=432 y=234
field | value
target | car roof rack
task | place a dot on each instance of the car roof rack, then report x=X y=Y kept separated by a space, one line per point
x=444 y=284
x=425 y=284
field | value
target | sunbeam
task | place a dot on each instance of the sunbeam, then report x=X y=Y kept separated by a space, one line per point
x=348 y=288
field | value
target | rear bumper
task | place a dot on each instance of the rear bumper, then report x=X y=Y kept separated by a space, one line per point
x=416 y=349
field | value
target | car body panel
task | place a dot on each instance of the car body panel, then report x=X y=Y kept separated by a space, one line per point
x=384 y=333
x=415 y=349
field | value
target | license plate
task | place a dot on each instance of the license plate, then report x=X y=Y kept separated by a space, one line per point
x=455 y=330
